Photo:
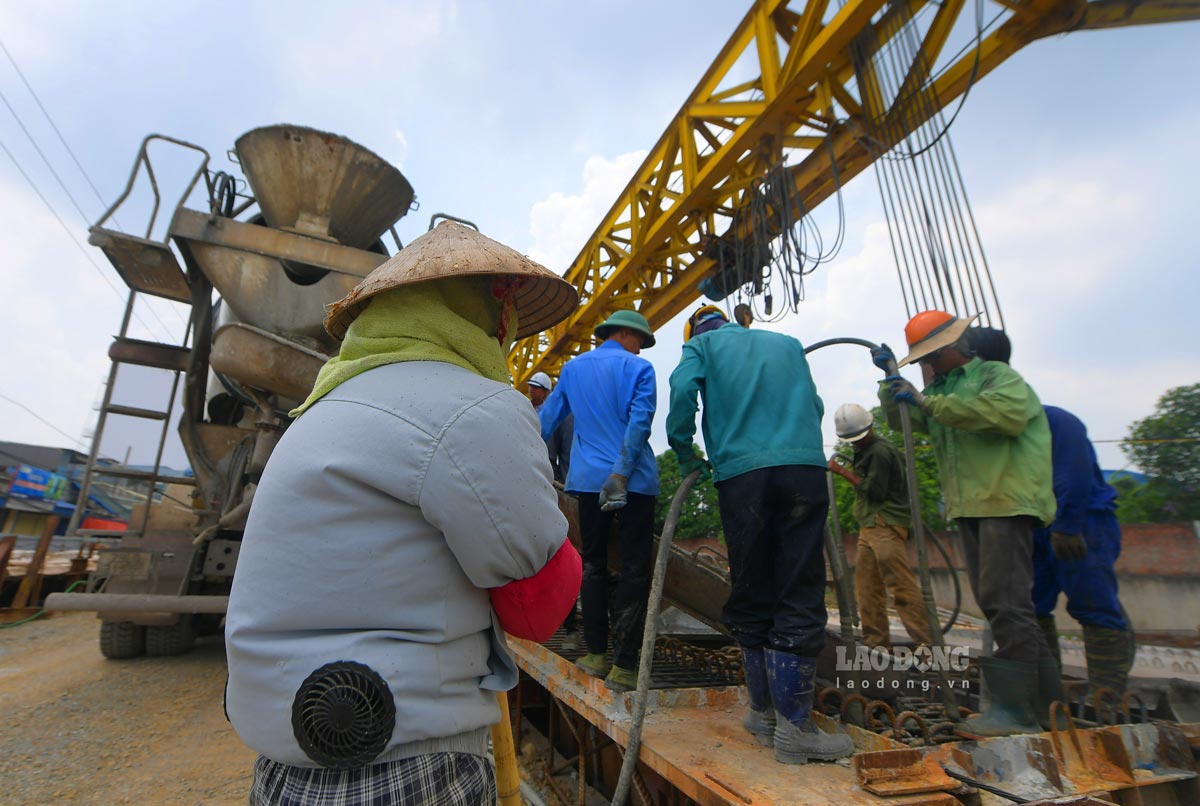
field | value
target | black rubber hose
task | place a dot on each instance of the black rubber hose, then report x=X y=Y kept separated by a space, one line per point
x=914 y=499
x=649 y=635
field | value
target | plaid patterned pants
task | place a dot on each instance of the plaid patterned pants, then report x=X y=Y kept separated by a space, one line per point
x=438 y=779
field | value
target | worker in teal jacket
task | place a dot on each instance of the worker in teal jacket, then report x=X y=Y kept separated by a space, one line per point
x=762 y=428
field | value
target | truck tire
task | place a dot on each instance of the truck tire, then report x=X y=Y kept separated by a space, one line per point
x=171 y=640
x=121 y=640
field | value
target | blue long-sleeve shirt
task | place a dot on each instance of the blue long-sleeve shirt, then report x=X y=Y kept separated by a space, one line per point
x=1079 y=486
x=612 y=394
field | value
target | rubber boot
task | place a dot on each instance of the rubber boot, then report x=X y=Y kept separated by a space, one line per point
x=791 y=681
x=1049 y=690
x=620 y=680
x=1012 y=685
x=595 y=664
x=760 y=716
x=1109 y=658
x=1050 y=630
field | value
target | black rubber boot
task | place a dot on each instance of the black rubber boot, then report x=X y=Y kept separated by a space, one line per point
x=1050 y=630
x=760 y=716
x=1011 y=685
x=1109 y=658
x=797 y=740
x=1049 y=690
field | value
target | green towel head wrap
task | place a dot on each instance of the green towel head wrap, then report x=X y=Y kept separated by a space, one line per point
x=454 y=320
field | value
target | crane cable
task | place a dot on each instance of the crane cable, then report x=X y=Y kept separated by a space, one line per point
x=935 y=242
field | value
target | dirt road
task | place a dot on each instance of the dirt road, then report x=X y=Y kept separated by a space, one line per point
x=77 y=728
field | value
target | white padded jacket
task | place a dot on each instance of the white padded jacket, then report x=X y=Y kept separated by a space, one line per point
x=383 y=515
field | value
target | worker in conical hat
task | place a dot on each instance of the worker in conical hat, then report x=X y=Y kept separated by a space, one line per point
x=992 y=443
x=405 y=522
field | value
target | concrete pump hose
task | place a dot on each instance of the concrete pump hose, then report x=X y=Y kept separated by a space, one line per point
x=649 y=635
x=914 y=502
x=835 y=547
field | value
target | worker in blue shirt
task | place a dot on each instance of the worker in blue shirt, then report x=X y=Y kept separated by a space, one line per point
x=762 y=429
x=611 y=391
x=1076 y=553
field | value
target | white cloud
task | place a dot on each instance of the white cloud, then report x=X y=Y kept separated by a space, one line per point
x=400 y=154
x=562 y=223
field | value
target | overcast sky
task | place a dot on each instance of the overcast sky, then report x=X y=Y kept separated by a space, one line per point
x=529 y=117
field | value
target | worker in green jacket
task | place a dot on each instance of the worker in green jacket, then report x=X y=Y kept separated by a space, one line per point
x=762 y=428
x=992 y=443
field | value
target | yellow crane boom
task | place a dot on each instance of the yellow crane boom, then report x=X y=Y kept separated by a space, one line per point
x=804 y=97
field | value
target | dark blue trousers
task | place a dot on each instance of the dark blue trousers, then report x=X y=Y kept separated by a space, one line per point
x=774 y=521
x=1090 y=584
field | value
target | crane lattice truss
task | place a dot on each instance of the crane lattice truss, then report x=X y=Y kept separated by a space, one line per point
x=786 y=84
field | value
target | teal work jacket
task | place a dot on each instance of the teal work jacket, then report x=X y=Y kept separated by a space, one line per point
x=761 y=407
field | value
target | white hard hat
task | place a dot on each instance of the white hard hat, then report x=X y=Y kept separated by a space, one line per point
x=852 y=422
x=541 y=380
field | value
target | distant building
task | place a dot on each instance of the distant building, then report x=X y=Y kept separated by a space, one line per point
x=40 y=481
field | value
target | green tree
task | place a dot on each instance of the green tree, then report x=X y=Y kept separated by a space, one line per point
x=1153 y=501
x=700 y=515
x=929 y=487
x=1166 y=447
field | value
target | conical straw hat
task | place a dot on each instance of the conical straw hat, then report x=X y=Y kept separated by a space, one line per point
x=450 y=250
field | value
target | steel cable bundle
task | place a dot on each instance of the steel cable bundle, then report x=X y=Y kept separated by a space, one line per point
x=936 y=245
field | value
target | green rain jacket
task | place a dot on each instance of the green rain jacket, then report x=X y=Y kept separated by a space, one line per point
x=991 y=439
x=761 y=407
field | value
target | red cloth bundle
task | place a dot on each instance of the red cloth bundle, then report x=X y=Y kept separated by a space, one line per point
x=533 y=608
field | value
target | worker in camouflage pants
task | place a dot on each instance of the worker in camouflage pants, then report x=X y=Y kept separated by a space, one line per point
x=884 y=520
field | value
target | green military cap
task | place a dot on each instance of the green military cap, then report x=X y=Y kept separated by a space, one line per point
x=630 y=319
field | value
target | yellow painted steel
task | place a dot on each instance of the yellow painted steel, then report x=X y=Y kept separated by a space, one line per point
x=648 y=251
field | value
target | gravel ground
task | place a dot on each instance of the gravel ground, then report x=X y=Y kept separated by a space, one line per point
x=80 y=729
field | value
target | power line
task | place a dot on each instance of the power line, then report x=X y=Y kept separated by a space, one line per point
x=42 y=419
x=1148 y=441
x=42 y=154
x=53 y=126
x=50 y=166
x=103 y=274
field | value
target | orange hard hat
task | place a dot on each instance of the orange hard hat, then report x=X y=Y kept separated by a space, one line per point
x=930 y=331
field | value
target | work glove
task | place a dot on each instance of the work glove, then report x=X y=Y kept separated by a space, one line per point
x=883 y=357
x=1068 y=548
x=902 y=389
x=689 y=463
x=614 y=493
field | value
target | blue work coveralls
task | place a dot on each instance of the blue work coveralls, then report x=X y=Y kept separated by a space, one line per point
x=1087 y=506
